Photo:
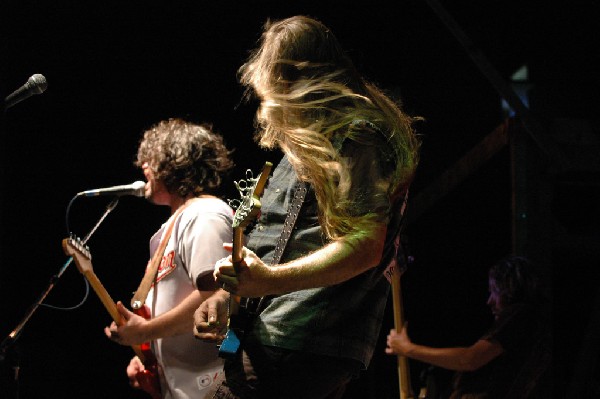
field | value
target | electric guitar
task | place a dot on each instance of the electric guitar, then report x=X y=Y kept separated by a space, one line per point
x=147 y=378
x=247 y=209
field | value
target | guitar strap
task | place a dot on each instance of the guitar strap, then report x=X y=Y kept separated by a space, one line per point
x=300 y=192
x=139 y=298
x=290 y=220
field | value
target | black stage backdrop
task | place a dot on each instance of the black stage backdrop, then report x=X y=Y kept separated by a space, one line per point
x=115 y=68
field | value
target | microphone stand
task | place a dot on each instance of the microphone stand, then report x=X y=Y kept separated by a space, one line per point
x=7 y=350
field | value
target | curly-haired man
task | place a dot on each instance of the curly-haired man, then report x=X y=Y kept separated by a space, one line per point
x=184 y=165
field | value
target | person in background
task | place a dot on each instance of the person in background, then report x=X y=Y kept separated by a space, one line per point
x=184 y=165
x=512 y=359
x=355 y=152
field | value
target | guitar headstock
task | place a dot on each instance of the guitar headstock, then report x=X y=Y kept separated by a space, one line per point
x=73 y=246
x=250 y=189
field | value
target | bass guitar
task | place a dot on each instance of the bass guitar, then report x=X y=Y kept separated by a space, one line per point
x=147 y=378
x=398 y=268
x=247 y=210
x=406 y=391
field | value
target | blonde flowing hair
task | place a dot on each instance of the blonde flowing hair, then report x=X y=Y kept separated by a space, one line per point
x=310 y=94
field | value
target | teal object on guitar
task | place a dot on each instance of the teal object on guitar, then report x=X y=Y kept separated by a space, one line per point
x=230 y=345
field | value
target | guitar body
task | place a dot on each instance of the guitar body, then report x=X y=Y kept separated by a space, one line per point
x=148 y=378
x=148 y=382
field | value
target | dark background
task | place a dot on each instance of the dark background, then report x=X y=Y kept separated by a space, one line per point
x=115 y=68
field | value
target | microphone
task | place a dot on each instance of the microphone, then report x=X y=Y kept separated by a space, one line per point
x=36 y=84
x=135 y=188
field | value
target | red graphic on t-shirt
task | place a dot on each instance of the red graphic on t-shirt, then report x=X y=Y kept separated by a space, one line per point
x=167 y=265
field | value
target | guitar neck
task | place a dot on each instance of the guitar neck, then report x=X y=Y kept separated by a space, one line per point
x=238 y=246
x=236 y=259
x=406 y=391
x=109 y=304
x=104 y=296
x=247 y=210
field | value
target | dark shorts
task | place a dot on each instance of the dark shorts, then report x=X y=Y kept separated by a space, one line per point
x=264 y=372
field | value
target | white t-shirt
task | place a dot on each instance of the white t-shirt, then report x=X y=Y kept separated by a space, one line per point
x=187 y=365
